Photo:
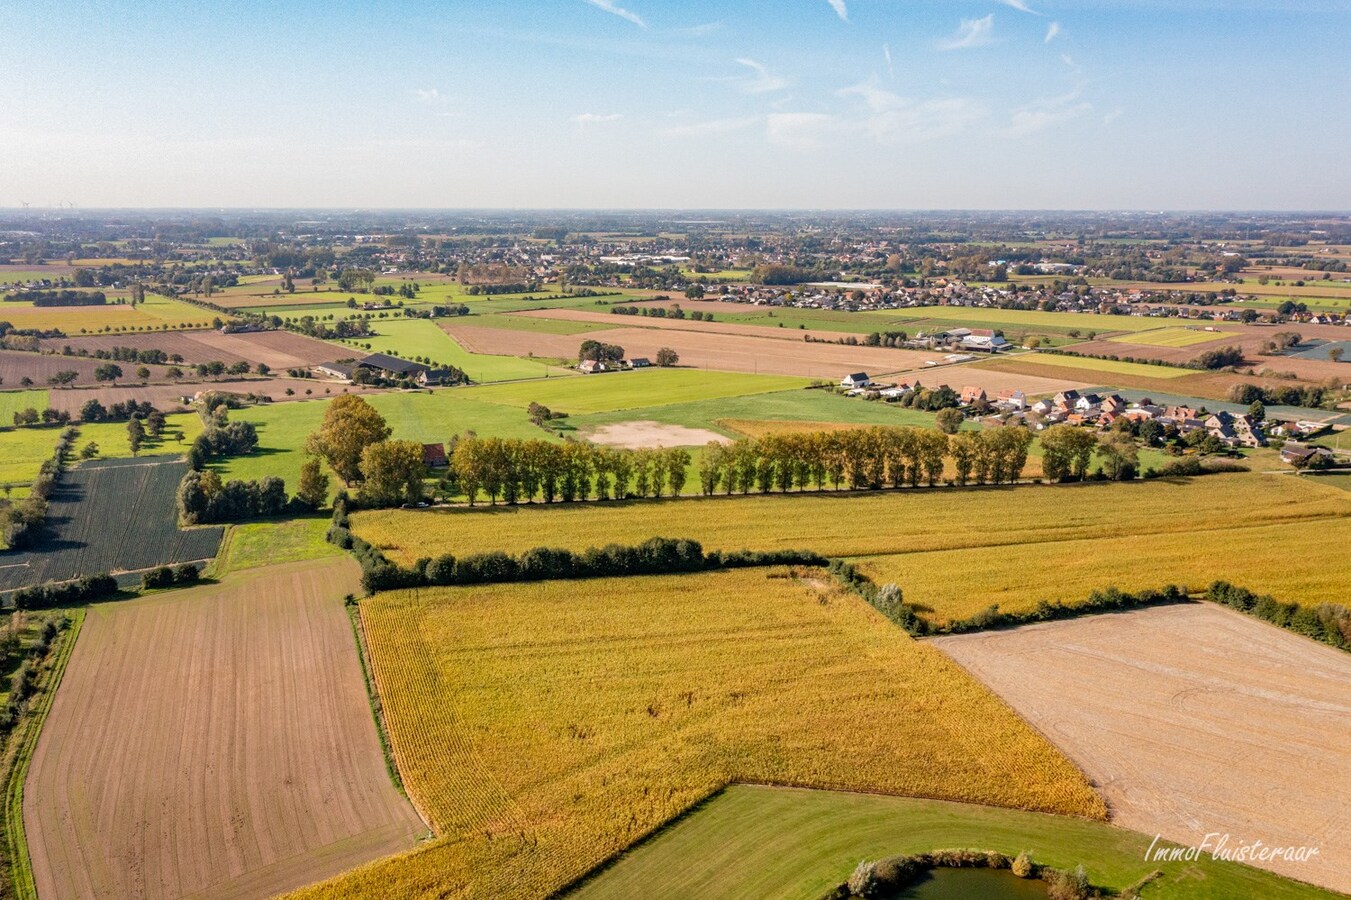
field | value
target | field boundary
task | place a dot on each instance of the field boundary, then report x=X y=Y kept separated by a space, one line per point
x=16 y=838
x=377 y=708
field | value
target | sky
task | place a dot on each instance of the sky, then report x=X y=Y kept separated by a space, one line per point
x=764 y=104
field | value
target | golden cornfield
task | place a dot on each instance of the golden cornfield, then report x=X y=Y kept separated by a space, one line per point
x=859 y=524
x=1305 y=562
x=544 y=727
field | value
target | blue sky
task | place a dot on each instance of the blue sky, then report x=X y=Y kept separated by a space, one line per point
x=1047 y=104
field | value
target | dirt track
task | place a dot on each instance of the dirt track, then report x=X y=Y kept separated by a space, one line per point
x=213 y=741
x=1191 y=720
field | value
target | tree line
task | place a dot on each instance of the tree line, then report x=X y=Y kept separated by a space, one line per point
x=22 y=521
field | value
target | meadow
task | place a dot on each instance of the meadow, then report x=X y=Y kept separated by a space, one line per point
x=537 y=753
x=1297 y=561
x=1173 y=337
x=12 y=402
x=843 y=523
x=25 y=449
x=634 y=390
x=251 y=545
x=758 y=841
x=422 y=339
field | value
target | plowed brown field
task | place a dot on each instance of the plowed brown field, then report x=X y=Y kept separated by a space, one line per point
x=1192 y=720
x=215 y=741
x=278 y=349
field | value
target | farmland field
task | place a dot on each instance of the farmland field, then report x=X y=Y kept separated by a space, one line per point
x=1193 y=719
x=551 y=325
x=537 y=753
x=854 y=524
x=111 y=516
x=215 y=741
x=1105 y=366
x=277 y=349
x=1299 y=561
x=12 y=402
x=758 y=841
x=255 y=544
x=421 y=338
x=633 y=390
x=1173 y=337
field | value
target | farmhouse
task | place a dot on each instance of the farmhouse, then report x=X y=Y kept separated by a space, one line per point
x=433 y=377
x=856 y=380
x=341 y=371
x=640 y=362
x=984 y=340
x=434 y=456
x=1298 y=454
x=592 y=367
x=387 y=366
x=972 y=394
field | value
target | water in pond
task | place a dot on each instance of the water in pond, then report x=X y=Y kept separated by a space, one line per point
x=973 y=884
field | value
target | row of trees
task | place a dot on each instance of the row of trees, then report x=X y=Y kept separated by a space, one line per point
x=520 y=470
x=22 y=521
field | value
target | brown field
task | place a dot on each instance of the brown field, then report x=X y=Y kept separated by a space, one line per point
x=1206 y=385
x=636 y=435
x=215 y=741
x=278 y=349
x=18 y=364
x=169 y=396
x=1192 y=720
x=766 y=355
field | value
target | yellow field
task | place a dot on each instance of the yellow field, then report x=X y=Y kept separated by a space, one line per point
x=1302 y=562
x=155 y=314
x=847 y=524
x=542 y=728
x=1106 y=366
x=1173 y=337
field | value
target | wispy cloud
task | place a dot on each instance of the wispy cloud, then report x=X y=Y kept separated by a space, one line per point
x=1052 y=32
x=429 y=96
x=612 y=9
x=593 y=118
x=698 y=30
x=971 y=33
x=710 y=127
x=1112 y=116
x=1042 y=114
x=886 y=54
x=764 y=81
x=1021 y=6
x=892 y=119
x=840 y=9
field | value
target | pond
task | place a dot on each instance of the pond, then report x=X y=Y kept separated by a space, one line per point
x=972 y=884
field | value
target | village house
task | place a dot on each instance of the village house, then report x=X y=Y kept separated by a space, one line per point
x=856 y=380
x=972 y=395
x=591 y=367
x=985 y=340
x=640 y=362
x=1013 y=399
x=1298 y=454
x=434 y=456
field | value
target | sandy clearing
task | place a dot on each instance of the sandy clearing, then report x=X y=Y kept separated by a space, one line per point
x=1191 y=720
x=742 y=353
x=637 y=435
x=213 y=741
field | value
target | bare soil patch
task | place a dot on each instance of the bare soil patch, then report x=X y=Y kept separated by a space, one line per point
x=278 y=349
x=1191 y=720
x=215 y=741
x=637 y=435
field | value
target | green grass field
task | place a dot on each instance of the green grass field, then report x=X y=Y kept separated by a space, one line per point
x=781 y=406
x=633 y=390
x=1106 y=366
x=12 y=402
x=1173 y=337
x=423 y=339
x=429 y=417
x=754 y=841
x=255 y=544
x=535 y=324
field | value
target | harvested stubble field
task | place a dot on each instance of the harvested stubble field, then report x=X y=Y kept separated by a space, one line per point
x=170 y=396
x=857 y=524
x=277 y=349
x=631 y=390
x=701 y=350
x=1301 y=561
x=215 y=741
x=111 y=515
x=758 y=841
x=1178 y=336
x=643 y=433
x=1207 y=385
x=16 y=365
x=1193 y=720
x=538 y=752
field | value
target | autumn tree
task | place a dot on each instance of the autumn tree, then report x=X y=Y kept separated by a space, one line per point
x=392 y=473
x=312 y=491
x=350 y=426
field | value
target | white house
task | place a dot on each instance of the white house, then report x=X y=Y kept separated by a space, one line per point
x=856 y=380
